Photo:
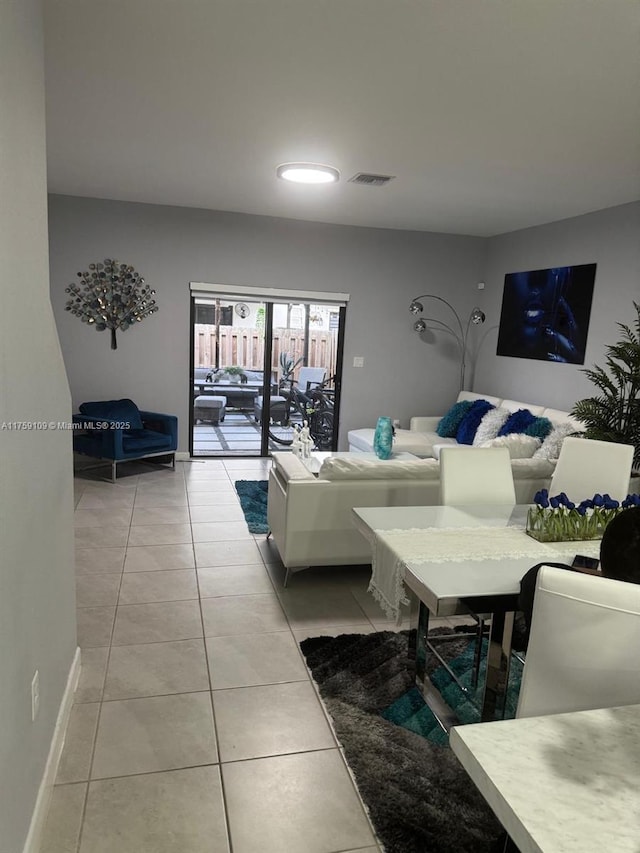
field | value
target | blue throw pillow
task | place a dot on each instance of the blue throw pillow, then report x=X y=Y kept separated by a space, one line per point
x=449 y=423
x=517 y=422
x=471 y=421
x=539 y=428
x=122 y=411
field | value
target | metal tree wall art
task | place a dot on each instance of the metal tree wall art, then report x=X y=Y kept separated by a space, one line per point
x=111 y=295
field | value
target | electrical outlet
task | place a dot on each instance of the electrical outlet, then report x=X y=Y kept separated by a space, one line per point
x=481 y=285
x=35 y=695
x=358 y=361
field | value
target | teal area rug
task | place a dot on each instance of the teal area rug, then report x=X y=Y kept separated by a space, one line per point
x=419 y=797
x=253 y=500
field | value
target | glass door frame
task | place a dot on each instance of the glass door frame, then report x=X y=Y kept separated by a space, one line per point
x=267 y=298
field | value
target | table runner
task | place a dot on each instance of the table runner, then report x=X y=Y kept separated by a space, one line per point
x=455 y=544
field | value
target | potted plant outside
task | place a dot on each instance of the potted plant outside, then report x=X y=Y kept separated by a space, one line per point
x=613 y=414
x=235 y=374
x=287 y=367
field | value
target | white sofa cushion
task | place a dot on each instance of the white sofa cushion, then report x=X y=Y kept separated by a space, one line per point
x=532 y=469
x=290 y=467
x=556 y=416
x=520 y=446
x=514 y=406
x=353 y=468
x=405 y=441
x=471 y=395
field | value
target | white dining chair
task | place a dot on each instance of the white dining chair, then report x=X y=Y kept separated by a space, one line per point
x=586 y=467
x=583 y=647
x=476 y=475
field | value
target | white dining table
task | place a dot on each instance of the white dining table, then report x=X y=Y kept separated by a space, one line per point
x=458 y=560
x=562 y=783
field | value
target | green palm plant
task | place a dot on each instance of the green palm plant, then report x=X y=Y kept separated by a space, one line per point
x=287 y=366
x=613 y=414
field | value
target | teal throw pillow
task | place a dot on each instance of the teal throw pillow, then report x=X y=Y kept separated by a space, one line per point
x=449 y=423
x=540 y=428
x=471 y=421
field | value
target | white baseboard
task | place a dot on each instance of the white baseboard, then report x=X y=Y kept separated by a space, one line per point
x=43 y=800
x=182 y=456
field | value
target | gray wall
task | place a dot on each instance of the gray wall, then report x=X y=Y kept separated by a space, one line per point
x=403 y=374
x=171 y=246
x=37 y=599
x=611 y=239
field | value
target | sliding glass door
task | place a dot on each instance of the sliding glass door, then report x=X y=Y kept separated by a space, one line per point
x=260 y=369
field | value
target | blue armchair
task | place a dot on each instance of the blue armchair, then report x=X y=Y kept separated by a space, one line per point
x=117 y=431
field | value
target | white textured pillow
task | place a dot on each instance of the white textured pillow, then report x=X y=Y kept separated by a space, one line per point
x=352 y=468
x=489 y=426
x=550 y=448
x=520 y=446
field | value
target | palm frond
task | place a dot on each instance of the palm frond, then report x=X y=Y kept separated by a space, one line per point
x=613 y=414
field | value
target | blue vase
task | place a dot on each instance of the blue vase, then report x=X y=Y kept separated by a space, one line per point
x=383 y=438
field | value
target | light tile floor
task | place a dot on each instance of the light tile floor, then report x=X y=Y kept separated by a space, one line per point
x=196 y=726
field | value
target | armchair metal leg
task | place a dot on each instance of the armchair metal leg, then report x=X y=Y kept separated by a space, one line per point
x=113 y=471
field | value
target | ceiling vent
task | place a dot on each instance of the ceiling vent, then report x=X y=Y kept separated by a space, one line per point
x=370 y=180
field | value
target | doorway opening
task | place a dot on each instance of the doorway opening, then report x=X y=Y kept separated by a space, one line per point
x=260 y=368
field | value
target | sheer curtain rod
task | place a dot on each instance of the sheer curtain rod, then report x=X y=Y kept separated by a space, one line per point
x=266 y=294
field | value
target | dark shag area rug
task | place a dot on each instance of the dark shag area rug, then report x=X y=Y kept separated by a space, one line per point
x=253 y=500
x=419 y=797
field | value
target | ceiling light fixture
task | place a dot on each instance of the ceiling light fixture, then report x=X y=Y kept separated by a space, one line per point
x=308 y=173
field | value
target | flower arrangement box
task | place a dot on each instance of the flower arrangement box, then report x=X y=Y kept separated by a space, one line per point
x=557 y=519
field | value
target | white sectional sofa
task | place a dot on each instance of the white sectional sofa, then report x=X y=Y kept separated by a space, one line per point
x=310 y=516
x=421 y=436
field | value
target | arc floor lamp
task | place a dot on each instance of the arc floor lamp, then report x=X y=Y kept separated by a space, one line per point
x=460 y=332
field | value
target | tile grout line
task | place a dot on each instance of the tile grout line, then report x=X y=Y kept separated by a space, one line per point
x=231 y=475
x=104 y=681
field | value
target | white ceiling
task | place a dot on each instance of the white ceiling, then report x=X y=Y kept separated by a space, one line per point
x=493 y=115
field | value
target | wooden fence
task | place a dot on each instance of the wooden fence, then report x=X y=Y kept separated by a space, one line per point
x=245 y=347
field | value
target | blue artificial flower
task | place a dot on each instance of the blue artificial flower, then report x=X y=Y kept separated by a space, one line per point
x=564 y=499
x=609 y=502
x=554 y=502
x=582 y=510
x=634 y=499
x=570 y=504
x=586 y=504
x=542 y=498
x=598 y=500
